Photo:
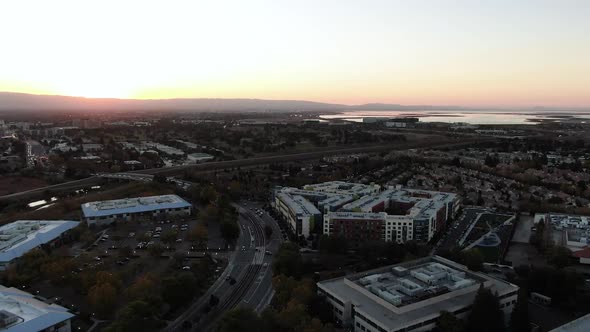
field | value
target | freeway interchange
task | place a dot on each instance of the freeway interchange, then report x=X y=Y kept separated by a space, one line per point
x=247 y=278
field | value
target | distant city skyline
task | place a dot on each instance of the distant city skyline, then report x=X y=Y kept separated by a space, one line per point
x=467 y=53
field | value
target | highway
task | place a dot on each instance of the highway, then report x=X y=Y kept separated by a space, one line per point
x=443 y=142
x=82 y=183
x=249 y=265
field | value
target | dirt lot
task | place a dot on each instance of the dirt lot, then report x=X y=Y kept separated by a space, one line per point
x=12 y=184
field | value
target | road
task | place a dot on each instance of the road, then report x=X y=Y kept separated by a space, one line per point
x=457 y=230
x=77 y=184
x=248 y=265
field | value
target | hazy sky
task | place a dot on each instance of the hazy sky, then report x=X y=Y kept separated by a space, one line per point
x=479 y=52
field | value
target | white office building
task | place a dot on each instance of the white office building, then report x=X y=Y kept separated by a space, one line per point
x=106 y=212
x=22 y=312
x=19 y=237
x=409 y=297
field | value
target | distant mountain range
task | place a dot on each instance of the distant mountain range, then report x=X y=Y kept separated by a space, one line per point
x=11 y=101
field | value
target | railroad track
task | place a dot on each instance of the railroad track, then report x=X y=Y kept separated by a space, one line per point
x=241 y=288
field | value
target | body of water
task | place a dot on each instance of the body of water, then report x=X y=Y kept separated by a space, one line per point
x=472 y=117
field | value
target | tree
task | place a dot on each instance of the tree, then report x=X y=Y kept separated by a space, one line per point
x=519 y=319
x=267 y=231
x=560 y=257
x=199 y=235
x=447 y=322
x=178 y=290
x=473 y=259
x=333 y=244
x=230 y=231
x=208 y=195
x=159 y=178
x=240 y=319
x=169 y=236
x=136 y=316
x=288 y=260
x=102 y=297
x=156 y=250
x=144 y=286
x=485 y=315
x=209 y=214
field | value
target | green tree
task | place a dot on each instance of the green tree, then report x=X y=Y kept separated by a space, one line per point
x=240 y=319
x=169 y=236
x=159 y=178
x=473 y=259
x=208 y=195
x=447 y=322
x=230 y=231
x=199 y=235
x=267 y=231
x=102 y=297
x=288 y=261
x=485 y=315
x=519 y=319
x=136 y=316
x=333 y=244
x=178 y=290
x=143 y=287
x=560 y=257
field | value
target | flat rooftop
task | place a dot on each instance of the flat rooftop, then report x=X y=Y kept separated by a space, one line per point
x=133 y=205
x=19 y=237
x=25 y=313
x=397 y=296
x=341 y=187
x=299 y=204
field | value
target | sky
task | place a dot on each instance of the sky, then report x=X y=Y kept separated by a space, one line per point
x=440 y=52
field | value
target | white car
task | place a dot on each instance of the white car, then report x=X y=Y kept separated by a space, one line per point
x=186 y=268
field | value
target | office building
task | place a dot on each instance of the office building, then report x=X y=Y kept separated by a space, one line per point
x=22 y=312
x=19 y=237
x=360 y=213
x=106 y=212
x=409 y=297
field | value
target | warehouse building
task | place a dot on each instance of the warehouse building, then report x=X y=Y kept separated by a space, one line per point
x=409 y=297
x=20 y=237
x=106 y=212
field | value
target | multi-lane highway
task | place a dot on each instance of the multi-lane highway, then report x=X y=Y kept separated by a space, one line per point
x=209 y=166
x=249 y=266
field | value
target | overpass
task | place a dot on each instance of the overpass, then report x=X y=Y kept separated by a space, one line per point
x=142 y=175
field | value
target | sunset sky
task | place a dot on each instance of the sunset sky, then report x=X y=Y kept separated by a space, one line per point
x=472 y=53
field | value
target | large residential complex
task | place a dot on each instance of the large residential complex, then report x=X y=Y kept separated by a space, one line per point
x=21 y=311
x=106 y=212
x=409 y=296
x=19 y=237
x=363 y=213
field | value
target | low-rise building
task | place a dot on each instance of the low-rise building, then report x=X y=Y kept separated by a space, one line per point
x=199 y=157
x=581 y=324
x=92 y=147
x=19 y=237
x=22 y=312
x=106 y=212
x=409 y=297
